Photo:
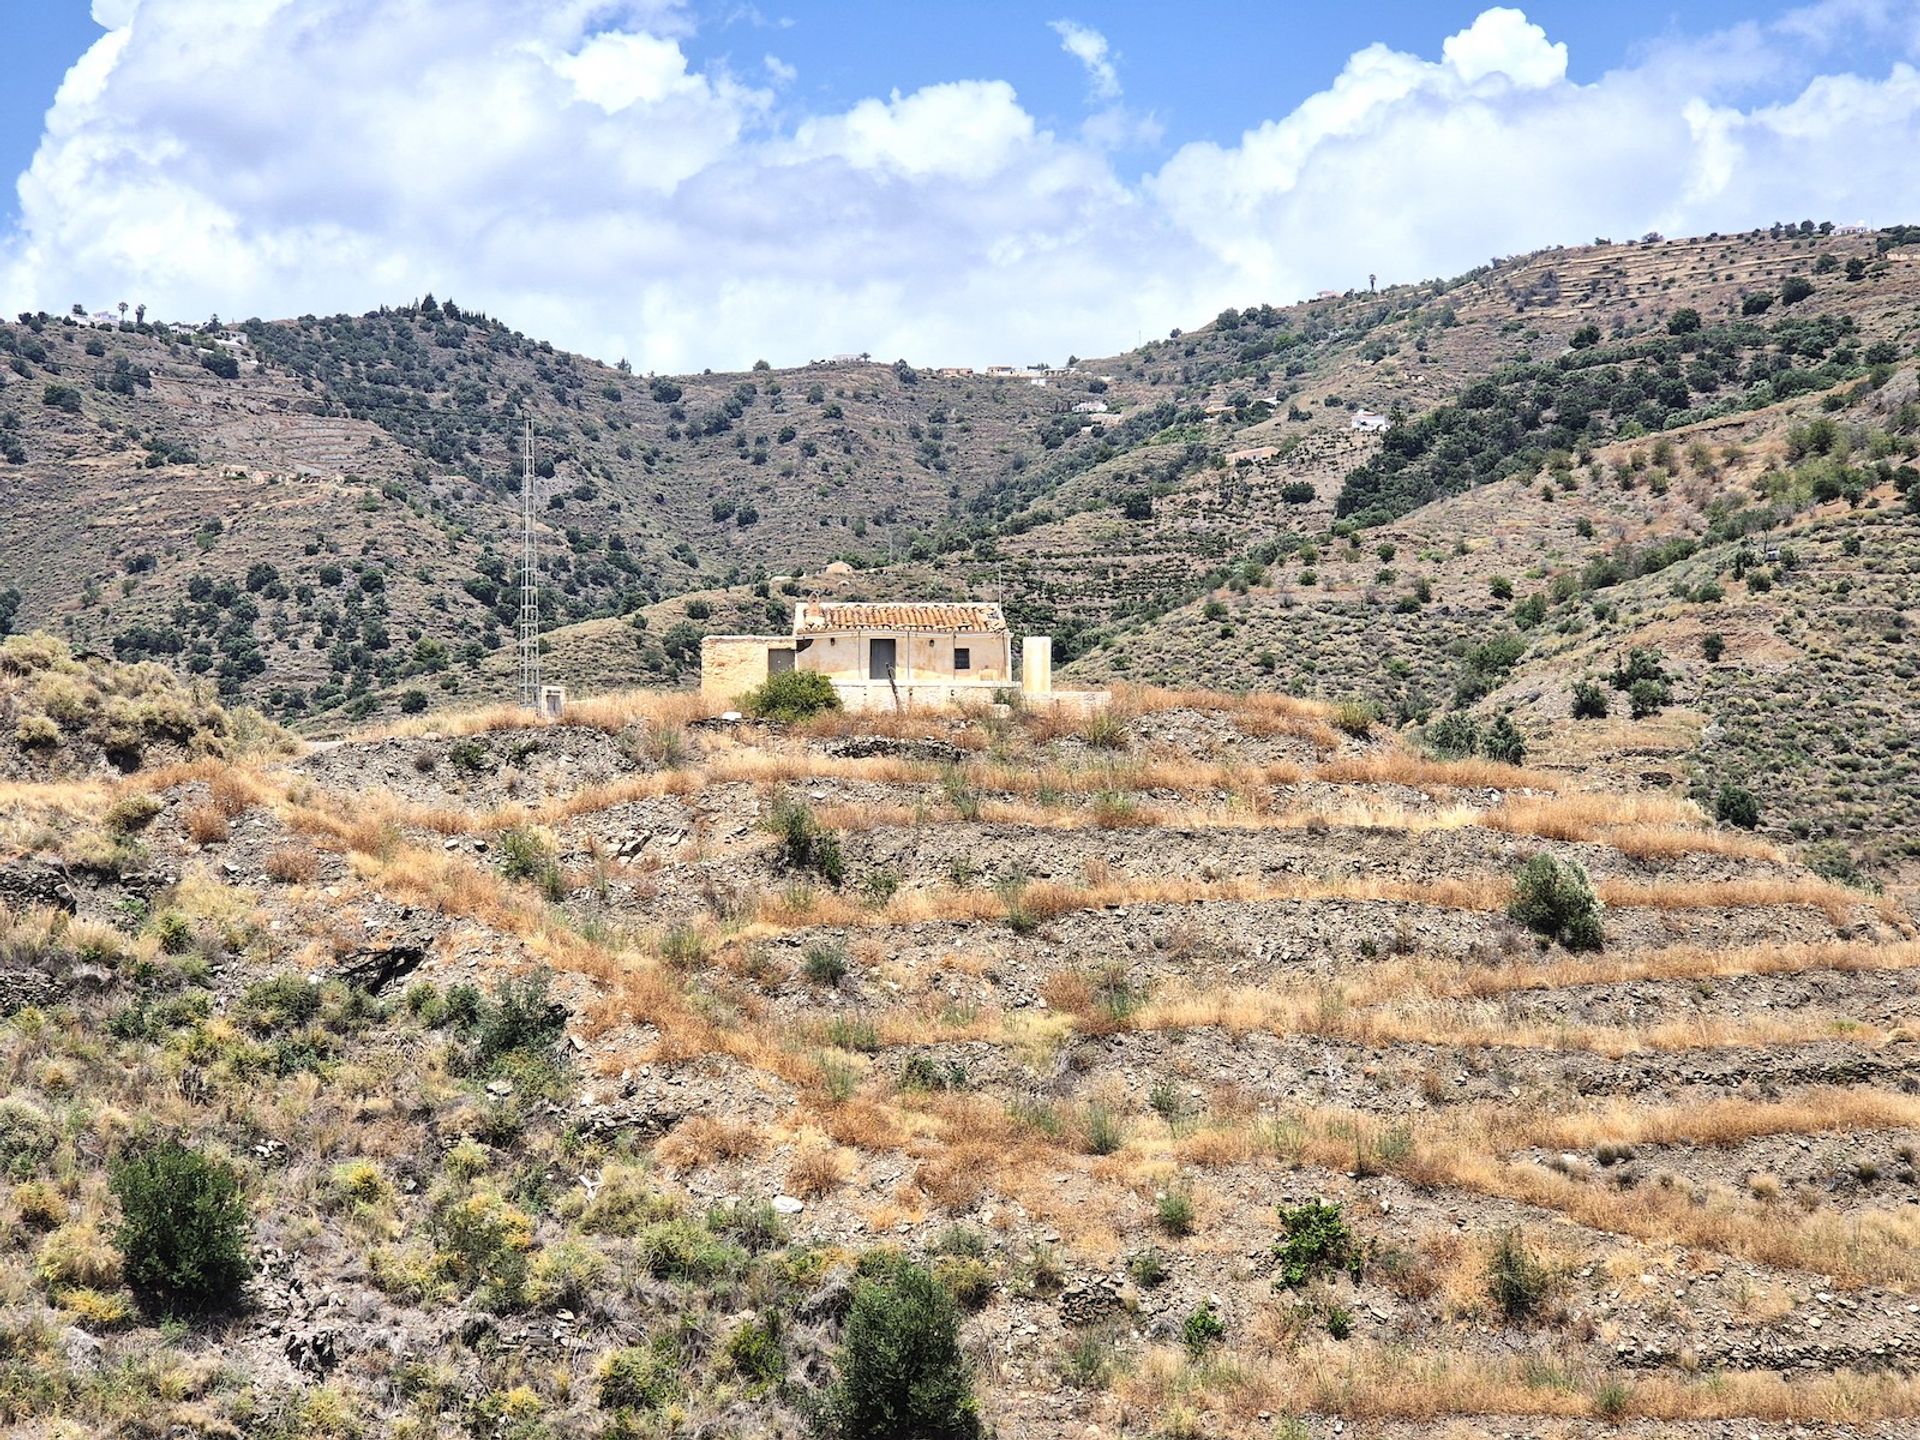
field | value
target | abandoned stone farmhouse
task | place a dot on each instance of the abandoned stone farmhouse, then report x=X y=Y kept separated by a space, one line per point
x=884 y=656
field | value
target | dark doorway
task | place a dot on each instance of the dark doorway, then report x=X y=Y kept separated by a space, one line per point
x=880 y=656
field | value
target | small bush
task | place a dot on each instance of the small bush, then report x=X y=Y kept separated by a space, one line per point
x=206 y=825
x=826 y=965
x=753 y=1353
x=292 y=864
x=131 y=813
x=901 y=1371
x=1173 y=1213
x=1516 y=1282
x=1503 y=741
x=1589 y=701
x=1201 y=1330
x=1554 y=898
x=28 y=1138
x=1354 y=717
x=1736 y=805
x=526 y=854
x=1147 y=1267
x=803 y=843
x=796 y=695
x=638 y=1378
x=1104 y=1132
x=183 y=1227
x=967 y=1279
x=519 y=1022
x=1314 y=1241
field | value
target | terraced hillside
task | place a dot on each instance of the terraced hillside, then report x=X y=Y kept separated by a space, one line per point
x=1190 y=1049
x=318 y=512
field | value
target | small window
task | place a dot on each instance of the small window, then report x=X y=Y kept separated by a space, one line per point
x=962 y=658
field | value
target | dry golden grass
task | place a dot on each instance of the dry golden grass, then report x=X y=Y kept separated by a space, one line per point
x=817 y=1170
x=1373 y=1381
x=1414 y=1018
x=1645 y=826
x=232 y=792
x=292 y=864
x=1837 y=902
x=1398 y=767
x=615 y=711
x=705 y=1140
x=205 y=825
x=1465 y=1148
x=1728 y=1121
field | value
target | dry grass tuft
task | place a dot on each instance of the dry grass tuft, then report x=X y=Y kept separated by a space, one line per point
x=704 y=1140
x=206 y=825
x=292 y=864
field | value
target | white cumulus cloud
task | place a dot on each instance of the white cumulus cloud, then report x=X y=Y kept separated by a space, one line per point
x=569 y=166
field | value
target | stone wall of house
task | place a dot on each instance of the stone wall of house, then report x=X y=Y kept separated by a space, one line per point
x=731 y=665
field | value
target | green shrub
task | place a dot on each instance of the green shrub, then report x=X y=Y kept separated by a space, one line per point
x=1104 y=1133
x=526 y=854
x=1554 y=898
x=284 y=1002
x=1201 y=1330
x=795 y=695
x=1589 y=701
x=1106 y=731
x=802 y=843
x=826 y=965
x=28 y=1138
x=520 y=1021
x=753 y=1352
x=1503 y=741
x=1173 y=1213
x=183 y=1227
x=1314 y=1241
x=967 y=1279
x=1647 y=697
x=901 y=1372
x=681 y=1250
x=1454 y=736
x=638 y=1378
x=1517 y=1283
x=1147 y=1267
x=1354 y=717
x=1736 y=805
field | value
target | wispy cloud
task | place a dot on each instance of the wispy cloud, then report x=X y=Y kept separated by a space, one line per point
x=1090 y=48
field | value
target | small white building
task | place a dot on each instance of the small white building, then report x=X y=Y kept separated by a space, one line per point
x=1091 y=407
x=1368 y=420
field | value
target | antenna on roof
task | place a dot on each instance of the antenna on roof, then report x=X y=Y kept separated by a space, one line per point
x=529 y=580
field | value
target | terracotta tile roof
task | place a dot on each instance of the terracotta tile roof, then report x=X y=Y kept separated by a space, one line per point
x=817 y=615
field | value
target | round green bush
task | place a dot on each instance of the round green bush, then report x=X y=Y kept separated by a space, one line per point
x=183 y=1227
x=793 y=696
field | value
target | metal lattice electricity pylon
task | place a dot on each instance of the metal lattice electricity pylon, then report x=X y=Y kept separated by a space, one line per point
x=529 y=581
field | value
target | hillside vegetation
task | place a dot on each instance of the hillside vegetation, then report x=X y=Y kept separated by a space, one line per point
x=1215 y=1066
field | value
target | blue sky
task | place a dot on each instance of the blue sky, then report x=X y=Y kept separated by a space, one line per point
x=693 y=182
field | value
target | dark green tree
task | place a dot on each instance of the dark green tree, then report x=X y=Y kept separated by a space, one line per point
x=902 y=1376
